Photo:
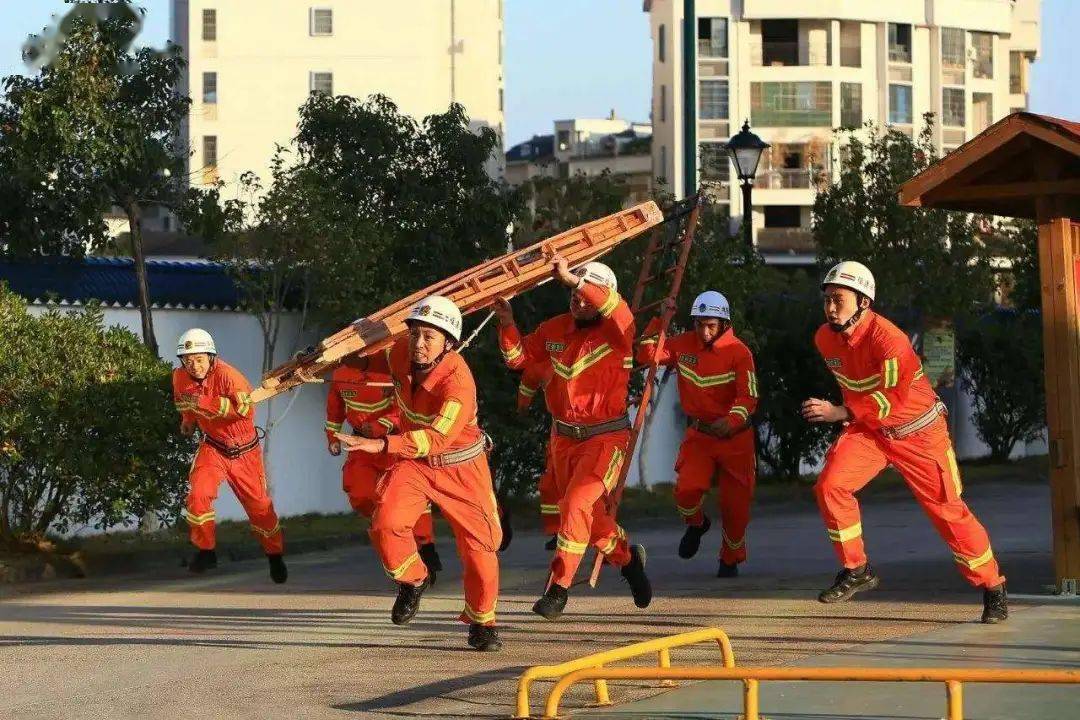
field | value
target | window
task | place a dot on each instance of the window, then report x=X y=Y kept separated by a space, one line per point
x=952 y=107
x=715 y=165
x=791 y=104
x=663 y=103
x=952 y=56
x=983 y=46
x=564 y=140
x=952 y=47
x=661 y=42
x=209 y=24
x=850 y=104
x=779 y=42
x=982 y=111
x=783 y=216
x=712 y=37
x=209 y=151
x=900 y=104
x=500 y=99
x=850 y=44
x=899 y=43
x=209 y=87
x=322 y=21
x=1016 y=72
x=663 y=161
x=322 y=82
x=713 y=100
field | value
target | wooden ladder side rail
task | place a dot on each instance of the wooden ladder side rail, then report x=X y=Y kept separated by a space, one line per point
x=615 y=496
x=472 y=290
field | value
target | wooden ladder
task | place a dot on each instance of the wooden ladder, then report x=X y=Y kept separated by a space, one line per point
x=664 y=262
x=472 y=290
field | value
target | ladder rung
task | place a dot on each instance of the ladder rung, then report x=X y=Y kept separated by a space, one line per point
x=670 y=271
x=650 y=306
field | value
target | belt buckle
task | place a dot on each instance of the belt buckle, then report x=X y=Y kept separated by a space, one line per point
x=579 y=432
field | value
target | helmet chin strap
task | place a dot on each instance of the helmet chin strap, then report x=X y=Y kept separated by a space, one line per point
x=841 y=327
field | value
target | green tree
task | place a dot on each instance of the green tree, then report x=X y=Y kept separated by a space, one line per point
x=83 y=436
x=96 y=128
x=928 y=264
x=1001 y=355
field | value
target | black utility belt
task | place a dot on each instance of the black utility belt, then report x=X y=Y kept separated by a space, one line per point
x=584 y=432
x=232 y=451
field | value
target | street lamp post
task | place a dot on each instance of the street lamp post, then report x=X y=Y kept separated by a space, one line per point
x=745 y=149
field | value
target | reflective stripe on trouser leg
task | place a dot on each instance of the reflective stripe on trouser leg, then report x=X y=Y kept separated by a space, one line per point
x=734 y=495
x=925 y=460
x=853 y=460
x=248 y=481
x=403 y=502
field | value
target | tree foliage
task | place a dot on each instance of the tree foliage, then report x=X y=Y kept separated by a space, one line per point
x=96 y=128
x=927 y=263
x=1002 y=357
x=85 y=438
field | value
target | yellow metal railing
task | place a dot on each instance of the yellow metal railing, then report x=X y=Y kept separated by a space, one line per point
x=598 y=662
x=953 y=678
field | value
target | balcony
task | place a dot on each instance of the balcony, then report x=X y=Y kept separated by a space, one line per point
x=788 y=179
x=900 y=54
x=762 y=117
x=712 y=49
x=783 y=53
x=785 y=240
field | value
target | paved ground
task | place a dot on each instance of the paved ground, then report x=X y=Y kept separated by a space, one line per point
x=1047 y=636
x=234 y=645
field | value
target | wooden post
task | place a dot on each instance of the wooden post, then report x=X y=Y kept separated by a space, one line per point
x=1058 y=256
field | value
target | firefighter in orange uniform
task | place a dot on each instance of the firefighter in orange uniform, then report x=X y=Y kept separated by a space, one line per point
x=441 y=460
x=366 y=401
x=718 y=392
x=891 y=416
x=533 y=380
x=214 y=397
x=590 y=353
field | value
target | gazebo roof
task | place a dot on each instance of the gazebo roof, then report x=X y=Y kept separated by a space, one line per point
x=1005 y=169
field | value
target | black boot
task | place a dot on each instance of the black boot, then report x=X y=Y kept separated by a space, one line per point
x=278 y=572
x=634 y=572
x=430 y=557
x=995 y=605
x=727 y=571
x=847 y=583
x=484 y=638
x=552 y=542
x=691 y=539
x=202 y=561
x=552 y=603
x=408 y=602
x=507 y=529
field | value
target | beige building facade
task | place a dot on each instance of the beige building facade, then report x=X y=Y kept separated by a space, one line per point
x=797 y=70
x=253 y=63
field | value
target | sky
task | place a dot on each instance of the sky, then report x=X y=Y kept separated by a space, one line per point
x=585 y=58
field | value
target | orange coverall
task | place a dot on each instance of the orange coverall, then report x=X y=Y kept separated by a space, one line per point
x=532 y=380
x=352 y=397
x=222 y=409
x=715 y=382
x=883 y=385
x=590 y=376
x=438 y=416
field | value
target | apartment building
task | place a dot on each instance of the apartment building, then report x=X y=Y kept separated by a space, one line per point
x=797 y=70
x=252 y=63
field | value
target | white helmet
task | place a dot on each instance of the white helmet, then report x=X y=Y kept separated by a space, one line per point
x=851 y=274
x=711 y=304
x=598 y=274
x=195 y=341
x=440 y=312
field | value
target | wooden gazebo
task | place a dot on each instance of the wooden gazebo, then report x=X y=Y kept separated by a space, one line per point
x=1028 y=166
